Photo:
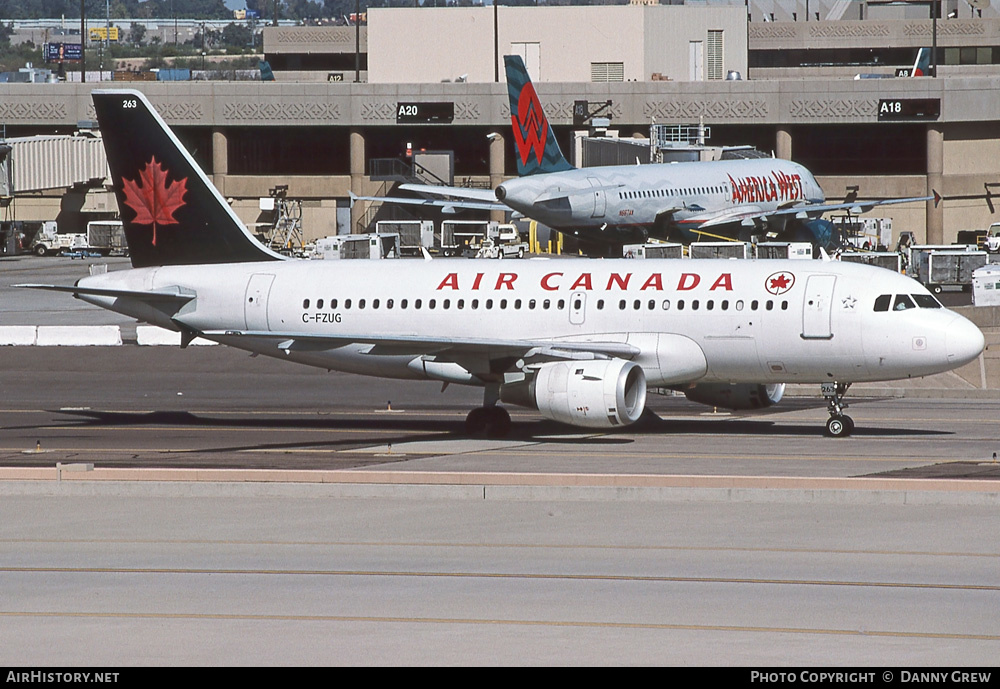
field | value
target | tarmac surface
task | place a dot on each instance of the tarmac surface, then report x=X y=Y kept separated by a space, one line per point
x=217 y=509
x=214 y=407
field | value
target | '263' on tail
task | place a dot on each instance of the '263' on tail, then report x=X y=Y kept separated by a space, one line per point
x=172 y=214
x=537 y=149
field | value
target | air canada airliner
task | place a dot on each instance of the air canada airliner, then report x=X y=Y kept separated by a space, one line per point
x=577 y=339
x=623 y=204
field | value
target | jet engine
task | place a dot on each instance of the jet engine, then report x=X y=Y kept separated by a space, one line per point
x=601 y=393
x=742 y=396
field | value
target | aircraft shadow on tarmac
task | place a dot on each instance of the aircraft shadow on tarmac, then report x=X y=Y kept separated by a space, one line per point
x=425 y=430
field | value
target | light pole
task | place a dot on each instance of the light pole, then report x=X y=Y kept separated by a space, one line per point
x=83 y=44
x=935 y=6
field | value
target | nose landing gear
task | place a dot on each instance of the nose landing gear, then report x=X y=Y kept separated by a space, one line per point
x=839 y=425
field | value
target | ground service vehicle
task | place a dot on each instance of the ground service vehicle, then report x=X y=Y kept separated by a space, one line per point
x=50 y=241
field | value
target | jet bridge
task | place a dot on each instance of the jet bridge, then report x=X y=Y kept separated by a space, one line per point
x=37 y=163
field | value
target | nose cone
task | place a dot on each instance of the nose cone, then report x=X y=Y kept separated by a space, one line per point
x=964 y=341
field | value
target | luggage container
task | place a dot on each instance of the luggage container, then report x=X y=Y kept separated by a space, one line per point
x=653 y=250
x=950 y=269
x=784 y=250
x=456 y=235
x=413 y=234
x=890 y=260
x=346 y=246
x=721 y=250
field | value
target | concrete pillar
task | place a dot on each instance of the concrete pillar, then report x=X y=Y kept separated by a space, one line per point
x=935 y=177
x=497 y=150
x=783 y=143
x=220 y=159
x=359 y=208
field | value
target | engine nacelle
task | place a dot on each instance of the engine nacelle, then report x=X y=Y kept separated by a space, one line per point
x=601 y=393
x=742 y=396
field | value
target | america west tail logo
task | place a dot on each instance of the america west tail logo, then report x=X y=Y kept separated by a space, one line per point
x=537 y=149
x=530 y=126
x=152 y=198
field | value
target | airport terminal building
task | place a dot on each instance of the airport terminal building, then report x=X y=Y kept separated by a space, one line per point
x=349 y=108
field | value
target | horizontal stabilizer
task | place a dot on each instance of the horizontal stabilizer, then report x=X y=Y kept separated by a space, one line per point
x=484 y=195
x=469 y=205
x=177 y=295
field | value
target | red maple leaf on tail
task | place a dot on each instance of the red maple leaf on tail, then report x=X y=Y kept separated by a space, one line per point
x=154 y=201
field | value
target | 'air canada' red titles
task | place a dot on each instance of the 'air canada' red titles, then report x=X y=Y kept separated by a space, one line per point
x=552 y=282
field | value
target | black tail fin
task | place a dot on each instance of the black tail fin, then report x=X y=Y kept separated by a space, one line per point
x=172 y=213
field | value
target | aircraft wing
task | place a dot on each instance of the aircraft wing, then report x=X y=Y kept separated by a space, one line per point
x=443 y=348
x=747 y=214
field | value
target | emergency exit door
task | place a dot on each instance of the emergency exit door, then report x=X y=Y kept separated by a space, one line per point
x=255 y=301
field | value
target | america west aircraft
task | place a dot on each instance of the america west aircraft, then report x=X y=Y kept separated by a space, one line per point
x=624 y=204
x=577 y=339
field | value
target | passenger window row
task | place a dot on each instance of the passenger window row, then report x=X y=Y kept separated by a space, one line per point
x=544 y=304
x=695 y=305
x=347 y=304
x=661 y=193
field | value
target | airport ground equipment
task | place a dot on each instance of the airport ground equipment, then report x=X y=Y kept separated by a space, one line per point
x=890 y=260
x=653 y=250
x=720 y=250
x=950 y=269
x=802 y=250
x=348 y=246
x=414 y=235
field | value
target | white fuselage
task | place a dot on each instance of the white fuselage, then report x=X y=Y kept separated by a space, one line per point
x=629 y=199
x=755 y=321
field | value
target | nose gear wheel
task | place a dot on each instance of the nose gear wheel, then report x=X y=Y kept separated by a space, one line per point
x=839 y=425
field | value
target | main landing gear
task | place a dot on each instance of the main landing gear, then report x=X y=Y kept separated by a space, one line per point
x=489 y=419
x=839 y=425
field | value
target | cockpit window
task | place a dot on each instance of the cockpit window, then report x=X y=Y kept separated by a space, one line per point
x=903 y=302
x=907 y=301
x=926 y=301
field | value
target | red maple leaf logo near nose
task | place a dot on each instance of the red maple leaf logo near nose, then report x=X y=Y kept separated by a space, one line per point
x=154 y=201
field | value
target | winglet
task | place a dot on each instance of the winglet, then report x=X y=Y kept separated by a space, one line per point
x=937 y=197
